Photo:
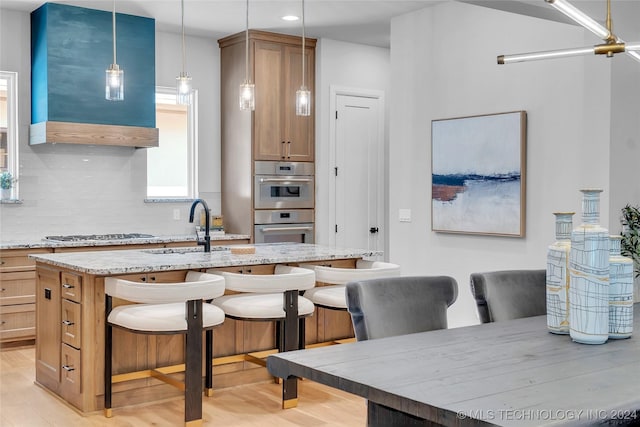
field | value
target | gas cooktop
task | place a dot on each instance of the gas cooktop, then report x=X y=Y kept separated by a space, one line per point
x=116 y=236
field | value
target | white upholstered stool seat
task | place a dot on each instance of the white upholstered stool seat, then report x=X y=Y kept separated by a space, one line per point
x=333 y=296
x=259 y=306
x=161 y=318
x=272 y=297
x=167 y=308
x=261 y=295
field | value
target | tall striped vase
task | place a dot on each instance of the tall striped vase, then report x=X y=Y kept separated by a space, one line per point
x=558 y=275
x=620 y=292
x=589 y=272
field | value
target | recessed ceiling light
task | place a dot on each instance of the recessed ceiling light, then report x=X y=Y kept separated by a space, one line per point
x=290 y=18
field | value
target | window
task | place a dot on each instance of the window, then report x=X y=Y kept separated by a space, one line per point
x=9 y=133
x=172 y=167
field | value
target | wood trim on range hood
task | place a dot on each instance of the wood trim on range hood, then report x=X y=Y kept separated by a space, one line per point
x=94 y=134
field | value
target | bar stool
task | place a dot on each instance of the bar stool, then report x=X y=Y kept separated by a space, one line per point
x=272 y=297
x=333 y=296
x=166 y=308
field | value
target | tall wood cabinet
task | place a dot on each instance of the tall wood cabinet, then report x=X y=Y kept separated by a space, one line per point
x=272 y=131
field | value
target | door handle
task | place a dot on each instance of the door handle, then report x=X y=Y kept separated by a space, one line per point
x=276 y=229
x=373 y=230
x=285 y=180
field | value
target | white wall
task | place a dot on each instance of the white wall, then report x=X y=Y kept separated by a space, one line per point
x=72 y=189
x=443 y=64
x=347 y=65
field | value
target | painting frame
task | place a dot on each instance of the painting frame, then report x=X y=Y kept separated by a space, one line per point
x=478 y=174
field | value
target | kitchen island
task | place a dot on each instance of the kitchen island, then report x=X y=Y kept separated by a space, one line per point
x=70 y=318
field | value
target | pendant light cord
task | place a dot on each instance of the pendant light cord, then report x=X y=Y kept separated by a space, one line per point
x=246 y=48
x=303 y=47
x=183 y=49
x=113 y=23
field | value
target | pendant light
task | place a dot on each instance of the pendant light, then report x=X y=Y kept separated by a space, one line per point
x=183 y=81
x=114 y=85
x=247 y=89
x=610 y=47
x=303 y=95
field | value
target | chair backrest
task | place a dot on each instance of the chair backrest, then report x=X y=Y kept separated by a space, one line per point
x=197 y=285
x=509 y=294
x=285 y=278
x=364 y=270
x=399 y=305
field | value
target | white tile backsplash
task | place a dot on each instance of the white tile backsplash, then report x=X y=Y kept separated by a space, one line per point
x=85 y=189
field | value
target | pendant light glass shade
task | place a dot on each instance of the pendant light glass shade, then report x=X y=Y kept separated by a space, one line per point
x=303 y=95
x=114 y=82
x=303 y=102
x=183 y=89
x=183 y=81
x=114 y=85
x=247 y=94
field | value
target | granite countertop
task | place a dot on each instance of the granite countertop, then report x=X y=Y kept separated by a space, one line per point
x=45 y=243
x=159 y=259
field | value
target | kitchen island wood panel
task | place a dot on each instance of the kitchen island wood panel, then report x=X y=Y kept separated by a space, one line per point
x=73 y=367
x=18 y=273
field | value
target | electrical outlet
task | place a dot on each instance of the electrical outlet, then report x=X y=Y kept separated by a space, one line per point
x=176 y=214
x=404 y=215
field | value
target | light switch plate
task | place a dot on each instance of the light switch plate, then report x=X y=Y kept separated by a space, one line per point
x=404 y=215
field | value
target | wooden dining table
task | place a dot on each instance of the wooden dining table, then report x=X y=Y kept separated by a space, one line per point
x=511 y=373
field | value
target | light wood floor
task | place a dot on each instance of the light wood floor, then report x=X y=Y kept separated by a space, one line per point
x=23 y=404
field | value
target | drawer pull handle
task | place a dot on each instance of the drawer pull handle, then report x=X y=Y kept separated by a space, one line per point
x=2 y=290
x=3 y=322
x=68 y=286
x=67 y=322
x=68 y=368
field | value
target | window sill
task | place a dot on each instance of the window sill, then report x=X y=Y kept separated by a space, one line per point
x=11 y=201
x=168 y=200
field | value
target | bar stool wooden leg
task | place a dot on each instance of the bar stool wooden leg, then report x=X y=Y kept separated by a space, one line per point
x=208 y=380
x=193 y=365
x=108 y=343
x=290 y=385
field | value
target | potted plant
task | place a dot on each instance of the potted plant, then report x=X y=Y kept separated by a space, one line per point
x=630 y=245
x=6 y=183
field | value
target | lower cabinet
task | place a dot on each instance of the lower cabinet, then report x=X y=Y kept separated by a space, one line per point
x=17 y=295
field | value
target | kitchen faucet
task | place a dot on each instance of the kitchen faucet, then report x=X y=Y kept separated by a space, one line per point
x=207 y=237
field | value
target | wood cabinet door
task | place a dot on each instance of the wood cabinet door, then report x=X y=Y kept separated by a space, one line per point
x=269 y=138
x=48 y=328
x=299 y=130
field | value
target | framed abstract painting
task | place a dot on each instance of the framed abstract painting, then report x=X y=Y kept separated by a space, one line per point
x=478 y=174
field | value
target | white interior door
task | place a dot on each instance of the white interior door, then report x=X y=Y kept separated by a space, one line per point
x=358 y=171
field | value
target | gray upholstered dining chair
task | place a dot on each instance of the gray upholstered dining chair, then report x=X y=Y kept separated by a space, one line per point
x=509 y=294
x=399 y=305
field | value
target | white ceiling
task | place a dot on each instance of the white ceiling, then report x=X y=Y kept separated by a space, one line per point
x=366 y=22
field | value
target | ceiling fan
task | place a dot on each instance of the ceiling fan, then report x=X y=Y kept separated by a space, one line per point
x=612 y=44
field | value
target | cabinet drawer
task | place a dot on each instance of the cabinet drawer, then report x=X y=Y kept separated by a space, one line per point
x=71 y=323
x=72 y=287
x=18 y=259
x=17 y=322
x=70 y=371
x=18 y=288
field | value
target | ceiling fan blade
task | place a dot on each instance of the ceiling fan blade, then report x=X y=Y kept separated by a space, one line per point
x=580 y=17
x=548 y=54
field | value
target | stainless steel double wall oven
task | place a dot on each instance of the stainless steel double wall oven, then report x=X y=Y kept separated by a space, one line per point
x=284 y=198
